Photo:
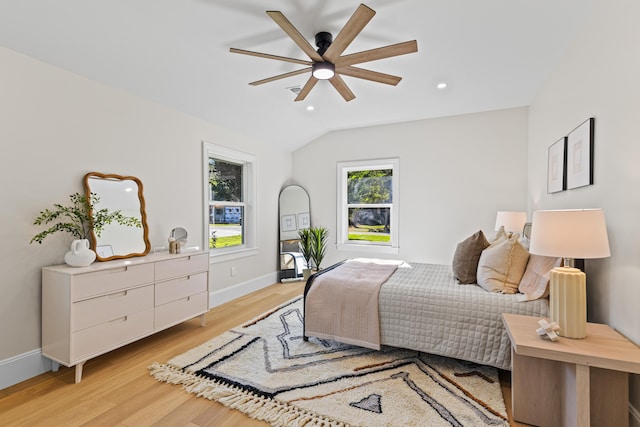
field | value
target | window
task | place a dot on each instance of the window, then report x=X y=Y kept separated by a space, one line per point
x=368 y=205
x=229 y=201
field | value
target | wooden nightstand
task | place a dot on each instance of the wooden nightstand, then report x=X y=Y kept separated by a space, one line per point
x=570 y=382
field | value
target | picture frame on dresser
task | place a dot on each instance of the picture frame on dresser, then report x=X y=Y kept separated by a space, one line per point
x=556 y=166
x=580 y=155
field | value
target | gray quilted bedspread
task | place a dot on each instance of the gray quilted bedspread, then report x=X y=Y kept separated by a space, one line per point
x=423 y=308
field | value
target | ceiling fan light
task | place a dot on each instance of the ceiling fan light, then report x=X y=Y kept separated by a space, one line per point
x=323 y=70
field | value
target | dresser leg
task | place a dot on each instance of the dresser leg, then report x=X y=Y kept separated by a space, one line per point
x=203 y=319
x=55 y=366
x=79 y=372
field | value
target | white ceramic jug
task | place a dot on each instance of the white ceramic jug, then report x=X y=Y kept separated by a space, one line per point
x=80 y=255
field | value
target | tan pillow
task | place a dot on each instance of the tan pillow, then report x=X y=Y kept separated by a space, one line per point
x=465 y=259
x=535 y=281
x=500 y=236
x=502 y=266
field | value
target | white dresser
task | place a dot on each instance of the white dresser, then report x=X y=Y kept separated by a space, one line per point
x=89 y=311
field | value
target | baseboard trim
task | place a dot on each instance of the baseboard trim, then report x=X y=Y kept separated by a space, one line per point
x=232 y=292
x=634 y=416
x=22 y=367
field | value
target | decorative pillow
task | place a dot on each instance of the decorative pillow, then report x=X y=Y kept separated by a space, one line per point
x=535 y=281
x=500 y=236
x=466 y=257
x=502 y=266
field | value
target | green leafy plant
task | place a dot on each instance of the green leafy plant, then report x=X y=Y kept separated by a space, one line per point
x=318 y=244
x=306 y=247
x=77 y=220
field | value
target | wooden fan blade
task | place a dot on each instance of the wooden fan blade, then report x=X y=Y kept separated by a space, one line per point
x=342 y=88
x=294 y=34
x=374 y=76
x=306 y=89
x=378 y=53
x=269 y=56
x=281 y=76
x=351 y=29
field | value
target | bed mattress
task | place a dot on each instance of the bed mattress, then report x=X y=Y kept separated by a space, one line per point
x=422 y=307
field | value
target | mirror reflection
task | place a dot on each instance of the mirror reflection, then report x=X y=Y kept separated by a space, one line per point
x=124 y=194
x=294 y=215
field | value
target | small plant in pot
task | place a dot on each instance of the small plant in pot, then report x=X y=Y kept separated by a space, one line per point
x=319 y=237
x=77 y=220
x=306 y=250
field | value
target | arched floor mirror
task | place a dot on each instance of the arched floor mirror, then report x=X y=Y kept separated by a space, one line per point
x=294 y=215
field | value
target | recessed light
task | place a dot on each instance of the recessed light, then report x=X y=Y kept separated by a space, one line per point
x=441 y=86
x=310 y=108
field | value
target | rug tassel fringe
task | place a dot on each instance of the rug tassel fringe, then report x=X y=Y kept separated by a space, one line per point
x=276 y=413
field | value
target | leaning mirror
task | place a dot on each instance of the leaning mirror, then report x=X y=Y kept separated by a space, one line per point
x=294 y=214
x=118 y=239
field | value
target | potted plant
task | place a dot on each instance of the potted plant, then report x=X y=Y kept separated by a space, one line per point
x=306 y=250
x=77 y=219
x=319 y=244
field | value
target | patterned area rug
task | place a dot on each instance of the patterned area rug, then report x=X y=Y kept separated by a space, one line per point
x=266 y=370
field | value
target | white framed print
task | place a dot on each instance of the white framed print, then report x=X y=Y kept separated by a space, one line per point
x=556 y=167
x=304 y=221
x=288 y=223
x=580 y=155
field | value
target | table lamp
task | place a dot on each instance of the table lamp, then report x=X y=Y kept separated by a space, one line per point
x=513 y=222
x=569 y=234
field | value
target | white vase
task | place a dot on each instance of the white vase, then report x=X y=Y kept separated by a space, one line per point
x=80 y=255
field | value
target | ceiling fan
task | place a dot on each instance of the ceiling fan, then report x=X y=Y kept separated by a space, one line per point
x=327 y=62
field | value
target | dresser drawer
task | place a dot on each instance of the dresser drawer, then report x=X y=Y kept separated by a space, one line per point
x=107 y=281
x=178 y=311
x=94 y=311
x=176 y=289
x=106 y=336
x=182 y=266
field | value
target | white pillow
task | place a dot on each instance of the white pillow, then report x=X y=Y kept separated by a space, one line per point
x=502 y=266
x=535 y=281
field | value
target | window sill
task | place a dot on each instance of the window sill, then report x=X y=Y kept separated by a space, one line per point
x=235 y=254
x=351 y=247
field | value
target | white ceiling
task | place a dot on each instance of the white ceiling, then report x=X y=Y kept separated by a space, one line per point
x=494 y=54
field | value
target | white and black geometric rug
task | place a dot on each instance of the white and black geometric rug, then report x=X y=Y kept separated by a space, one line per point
x=266 y=370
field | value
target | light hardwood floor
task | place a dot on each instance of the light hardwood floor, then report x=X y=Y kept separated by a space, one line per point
x=117 y=390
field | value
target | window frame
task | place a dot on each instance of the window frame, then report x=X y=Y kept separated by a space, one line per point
x=249 y=188
x=342 y=222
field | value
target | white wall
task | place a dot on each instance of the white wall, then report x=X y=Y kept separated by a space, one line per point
x=600 y=77
x=56 y=126
x=455 y=173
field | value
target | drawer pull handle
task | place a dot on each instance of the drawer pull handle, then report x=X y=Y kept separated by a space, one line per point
x=120 y=319
x=119 y=294
x=118 y=270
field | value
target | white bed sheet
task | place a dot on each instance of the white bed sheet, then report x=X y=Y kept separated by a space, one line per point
x=423 y=308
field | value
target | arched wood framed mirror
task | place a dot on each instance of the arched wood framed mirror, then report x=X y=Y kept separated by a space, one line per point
x=123 y=194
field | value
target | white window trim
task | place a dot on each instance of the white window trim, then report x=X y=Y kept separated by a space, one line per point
x=343 y=243
x=249 y=248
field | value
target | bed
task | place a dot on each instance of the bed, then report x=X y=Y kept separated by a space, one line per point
x=424 y=307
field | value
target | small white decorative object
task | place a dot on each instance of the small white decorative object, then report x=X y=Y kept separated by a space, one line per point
x=548 y=330
x=80 y=255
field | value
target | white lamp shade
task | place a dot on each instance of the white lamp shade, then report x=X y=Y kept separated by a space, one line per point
x=578 y=233
x=511 y=221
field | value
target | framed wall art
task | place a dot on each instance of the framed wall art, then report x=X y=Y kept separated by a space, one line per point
x=580 y=155
x=288 y=223
x=556 y=167
x=303 y=220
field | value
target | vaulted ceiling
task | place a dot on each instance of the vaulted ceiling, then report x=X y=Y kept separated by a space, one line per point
x=492 y=54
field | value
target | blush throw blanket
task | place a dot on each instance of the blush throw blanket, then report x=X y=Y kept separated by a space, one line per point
x=342 y=304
